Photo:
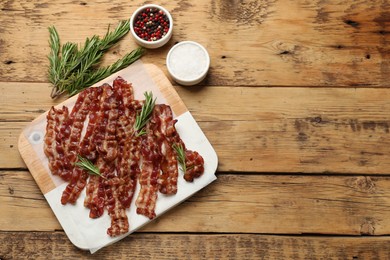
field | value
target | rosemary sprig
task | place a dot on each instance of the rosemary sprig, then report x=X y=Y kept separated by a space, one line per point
x=73 y=69
x=181 y=156
x=87 y=165
x=143 y=117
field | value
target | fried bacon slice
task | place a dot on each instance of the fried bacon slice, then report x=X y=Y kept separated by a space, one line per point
x=125 y=91
x=109 y=141
x=95 y=198
x=53 y=142
x=151 y=160
x=87 y=145
x=194 y=165
x=106 y=143
x=169 y=170
x=75 y=186
x=164 y=130
x=75 y=123
x=116 y=210
x=73 y=128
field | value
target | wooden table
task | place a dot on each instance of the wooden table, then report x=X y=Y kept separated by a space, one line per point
x=296 y=105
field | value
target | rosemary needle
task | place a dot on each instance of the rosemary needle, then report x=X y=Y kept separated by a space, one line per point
x=143 y=117
x=87 y=165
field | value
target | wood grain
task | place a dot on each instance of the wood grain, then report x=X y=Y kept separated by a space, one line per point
x=273 y=204
x=9 y=154
x=267 y=42
x=24 y=207
x=309 y=130
x=54 y=245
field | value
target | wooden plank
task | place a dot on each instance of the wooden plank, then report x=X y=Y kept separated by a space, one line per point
x=9 y=154
x=311 y=130
x=54 y=245
x=24 y=101
x=274 y=204
x=268 y=42
x=24 y=207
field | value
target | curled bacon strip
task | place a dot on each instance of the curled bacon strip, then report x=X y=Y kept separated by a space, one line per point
x=128 y=168
x=53 y=141
x=95 y=198
x=87 y=145
x=169 y=170
x=116 y=210
x=106 y=143
x=164 y=130
x=125 y=91
x=73 y=129
x=75 y=186
x=194 y=165
x=147 y=197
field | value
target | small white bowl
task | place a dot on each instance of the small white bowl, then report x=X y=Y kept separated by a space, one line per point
x=151 y=44
x=188 y=63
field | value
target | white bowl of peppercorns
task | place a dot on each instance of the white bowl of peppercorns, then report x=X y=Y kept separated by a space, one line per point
x=151 y=26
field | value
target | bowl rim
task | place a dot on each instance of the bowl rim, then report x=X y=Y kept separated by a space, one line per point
x=191 y=80
x=141 y=8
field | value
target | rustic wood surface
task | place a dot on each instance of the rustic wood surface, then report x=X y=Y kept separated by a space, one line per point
x=295 y=104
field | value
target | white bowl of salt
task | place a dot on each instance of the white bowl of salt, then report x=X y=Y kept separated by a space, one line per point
x=188 y=63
